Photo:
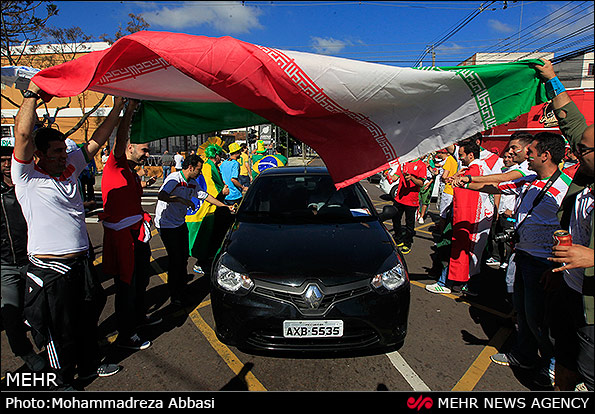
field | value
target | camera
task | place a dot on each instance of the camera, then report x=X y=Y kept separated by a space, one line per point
x=508 y=235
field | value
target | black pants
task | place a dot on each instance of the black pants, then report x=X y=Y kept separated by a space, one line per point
x=129 y=304
x=404 y=235
x=175 y=241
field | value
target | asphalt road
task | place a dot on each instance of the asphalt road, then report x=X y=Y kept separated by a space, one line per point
x=447 y=348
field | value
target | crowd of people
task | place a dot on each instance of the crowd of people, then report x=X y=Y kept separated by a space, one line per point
x=49 y=280
x=502 y=211
x=498 y=210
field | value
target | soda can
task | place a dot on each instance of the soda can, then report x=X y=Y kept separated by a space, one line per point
x=562 y=238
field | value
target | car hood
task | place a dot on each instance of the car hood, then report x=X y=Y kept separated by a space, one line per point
x=334 y=253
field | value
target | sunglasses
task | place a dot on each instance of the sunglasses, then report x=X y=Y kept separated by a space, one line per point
x=581 y=149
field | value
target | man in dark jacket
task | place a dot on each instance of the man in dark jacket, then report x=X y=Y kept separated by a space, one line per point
x=14 y=257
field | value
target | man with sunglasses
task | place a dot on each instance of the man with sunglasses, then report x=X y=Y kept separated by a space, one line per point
x=572 y=291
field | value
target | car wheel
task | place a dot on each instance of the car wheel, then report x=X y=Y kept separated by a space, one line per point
x=393 y=191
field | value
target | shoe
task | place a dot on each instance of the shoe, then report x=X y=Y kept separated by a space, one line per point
x=504 y=266
x=198 y=269
x=436 y=288
x=466 y=291
x=150 y=320
x=420 y=220
x=104 y=370
x=491 y=262
x=544 y=378
x=400 y=244
x=405 y=249
x=34 y=362
x=508 y=360
x=107 y=370
x=134 y=342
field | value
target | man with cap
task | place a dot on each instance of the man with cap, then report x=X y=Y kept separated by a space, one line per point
x=230 y=172
x=260 y=153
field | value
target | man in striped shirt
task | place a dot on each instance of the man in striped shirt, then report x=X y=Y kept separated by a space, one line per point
x=535 y=225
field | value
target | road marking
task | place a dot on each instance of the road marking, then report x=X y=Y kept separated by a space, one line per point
x=479 y=367
x=407 y=372
x=232 y=361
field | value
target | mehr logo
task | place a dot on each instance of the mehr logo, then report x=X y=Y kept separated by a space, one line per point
x=31 y=379
x=420 y=402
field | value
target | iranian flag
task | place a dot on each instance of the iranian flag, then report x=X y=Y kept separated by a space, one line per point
x=359 y=117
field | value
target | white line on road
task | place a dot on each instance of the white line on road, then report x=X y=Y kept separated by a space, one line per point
x=410 y=376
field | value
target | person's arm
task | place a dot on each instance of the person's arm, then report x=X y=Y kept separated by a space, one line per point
x=24 y=145
x=122 y=135
x=489 y=188
x=416 y=180
x=495 y=179
x=168 y=198
x=103 y=132
x=571 y=122
x=218 y=203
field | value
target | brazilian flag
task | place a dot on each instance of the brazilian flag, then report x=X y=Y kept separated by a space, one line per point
x=201 y=221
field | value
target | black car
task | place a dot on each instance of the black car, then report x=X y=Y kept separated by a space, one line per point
x=306 y=267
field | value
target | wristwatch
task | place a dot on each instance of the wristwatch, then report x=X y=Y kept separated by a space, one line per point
x=30 y=94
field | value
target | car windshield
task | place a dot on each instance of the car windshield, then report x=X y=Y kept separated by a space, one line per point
x=309 y=197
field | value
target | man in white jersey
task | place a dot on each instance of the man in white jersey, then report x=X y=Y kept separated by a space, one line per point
x=174 y=198
x=534 y=226
x=57 y=245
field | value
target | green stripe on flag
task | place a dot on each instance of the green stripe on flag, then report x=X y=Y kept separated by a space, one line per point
x=155 y=120
x=503 y=91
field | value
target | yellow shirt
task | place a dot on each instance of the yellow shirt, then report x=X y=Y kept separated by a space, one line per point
x=244 y=164
x=450 y=164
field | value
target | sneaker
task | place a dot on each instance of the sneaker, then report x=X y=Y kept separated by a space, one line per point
x=544 y=378
x=504 y=266
x=405 y=249
x=198 y=269
x=107 y=370
x=134 y=342
x=420 y=220
x=491 y=262
x=104 y=370
x=508 y=360
x=436 y=288
x=34 y=362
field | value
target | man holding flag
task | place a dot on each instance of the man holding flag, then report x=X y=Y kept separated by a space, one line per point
x=203 y=233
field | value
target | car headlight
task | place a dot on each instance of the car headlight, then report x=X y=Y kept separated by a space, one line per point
x=391 y=279
x=233 y=281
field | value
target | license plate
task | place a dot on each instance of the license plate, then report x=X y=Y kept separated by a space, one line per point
x=313 y=329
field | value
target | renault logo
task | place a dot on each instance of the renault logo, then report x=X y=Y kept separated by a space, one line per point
x=313 y=296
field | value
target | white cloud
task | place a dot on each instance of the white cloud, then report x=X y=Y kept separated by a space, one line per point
x=328 y=46
x=500 y=27
x=226 y=17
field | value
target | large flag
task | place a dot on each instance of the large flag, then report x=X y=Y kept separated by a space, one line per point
x=359 y=117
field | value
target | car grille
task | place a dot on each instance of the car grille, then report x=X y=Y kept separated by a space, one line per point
x=295 y=296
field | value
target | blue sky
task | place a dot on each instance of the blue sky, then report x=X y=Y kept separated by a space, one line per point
x=391 y=32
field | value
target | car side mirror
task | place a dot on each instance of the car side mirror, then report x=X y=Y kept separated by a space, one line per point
x=388 y=212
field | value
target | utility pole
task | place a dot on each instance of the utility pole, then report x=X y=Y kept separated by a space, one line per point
x=433 y=56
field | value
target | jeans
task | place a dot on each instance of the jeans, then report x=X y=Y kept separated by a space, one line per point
x=176 y=244
x=166 y=171
x=529 y=296
x=405 y=236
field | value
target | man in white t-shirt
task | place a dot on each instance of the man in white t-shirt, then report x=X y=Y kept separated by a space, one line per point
x=178 y=160
x=57 y=276
x=175 y=197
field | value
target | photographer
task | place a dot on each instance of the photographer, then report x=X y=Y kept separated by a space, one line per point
x=571 y=321
x=538 y=198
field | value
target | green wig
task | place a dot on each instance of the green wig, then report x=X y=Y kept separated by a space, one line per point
x=213 y=150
